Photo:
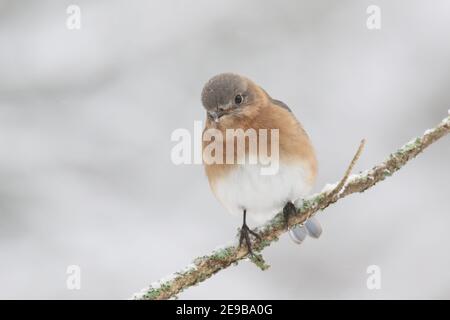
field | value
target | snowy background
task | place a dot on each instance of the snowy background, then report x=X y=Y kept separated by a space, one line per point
x=85 y=124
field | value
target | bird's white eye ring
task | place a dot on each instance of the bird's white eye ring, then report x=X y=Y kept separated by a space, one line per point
x=238 y=99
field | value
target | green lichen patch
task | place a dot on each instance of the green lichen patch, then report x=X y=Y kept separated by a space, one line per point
x=307 y=204
x=199 y=260
x=387 y=173
x=154 y=293
x=410 y=146
x=259 y=261
x=223 y=254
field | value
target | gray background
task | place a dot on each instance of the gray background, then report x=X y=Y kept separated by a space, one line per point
x=85 y=124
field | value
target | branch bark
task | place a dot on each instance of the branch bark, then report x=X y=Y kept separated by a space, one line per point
x=206 y=266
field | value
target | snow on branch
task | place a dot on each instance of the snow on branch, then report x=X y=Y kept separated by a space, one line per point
x=204 y=267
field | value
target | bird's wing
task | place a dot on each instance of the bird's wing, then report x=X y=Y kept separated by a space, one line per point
x=281 y=104
x=276 y=102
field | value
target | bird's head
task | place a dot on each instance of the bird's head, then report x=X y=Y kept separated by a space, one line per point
x=228 y=96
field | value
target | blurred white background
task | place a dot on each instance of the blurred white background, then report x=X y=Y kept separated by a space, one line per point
x=85 y=123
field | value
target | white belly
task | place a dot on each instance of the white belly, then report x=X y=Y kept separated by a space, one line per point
x=263 y=196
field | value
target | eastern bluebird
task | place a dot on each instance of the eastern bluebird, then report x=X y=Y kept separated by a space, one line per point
x=235 y=102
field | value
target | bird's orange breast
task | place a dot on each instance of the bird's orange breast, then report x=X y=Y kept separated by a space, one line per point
x=294 y=144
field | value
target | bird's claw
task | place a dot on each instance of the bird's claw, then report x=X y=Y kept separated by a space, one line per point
x=288 y=211
x=245 y=236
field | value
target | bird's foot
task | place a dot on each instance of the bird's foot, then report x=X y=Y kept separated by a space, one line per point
x=245 y=236
x=288 y=211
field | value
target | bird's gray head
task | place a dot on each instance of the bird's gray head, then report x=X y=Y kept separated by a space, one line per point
x=227 y=94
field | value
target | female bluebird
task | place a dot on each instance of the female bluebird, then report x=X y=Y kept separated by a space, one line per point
x=235 y=102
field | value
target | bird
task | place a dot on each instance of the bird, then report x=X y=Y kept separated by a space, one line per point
x=234 y=102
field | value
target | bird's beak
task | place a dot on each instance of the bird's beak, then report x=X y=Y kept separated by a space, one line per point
x=216 y=114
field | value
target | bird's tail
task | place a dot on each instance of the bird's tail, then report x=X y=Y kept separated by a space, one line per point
x=311 y=227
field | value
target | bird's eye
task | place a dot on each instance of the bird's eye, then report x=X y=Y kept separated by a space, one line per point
x=238 y=99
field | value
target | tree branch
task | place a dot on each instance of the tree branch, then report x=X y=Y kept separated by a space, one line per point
x=204 y=267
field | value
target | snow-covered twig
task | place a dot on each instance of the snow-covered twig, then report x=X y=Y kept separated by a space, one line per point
x=206 y=266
